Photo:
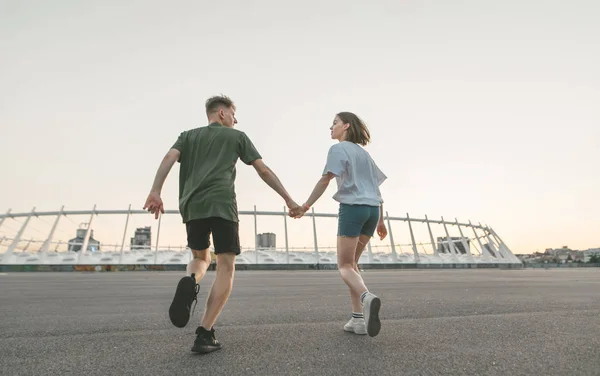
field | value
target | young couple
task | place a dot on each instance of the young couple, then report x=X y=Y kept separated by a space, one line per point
x=207 y=203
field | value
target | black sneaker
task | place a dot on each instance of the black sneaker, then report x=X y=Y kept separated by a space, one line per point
x=185 y=295
x=205 y=341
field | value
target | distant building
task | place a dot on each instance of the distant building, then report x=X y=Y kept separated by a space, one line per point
x=443 y=245
x=76 y=243
x=266 y=240
x=562 y=255
x=589 y=253
x=564 y=251
x=578 y=256
x=142 y=239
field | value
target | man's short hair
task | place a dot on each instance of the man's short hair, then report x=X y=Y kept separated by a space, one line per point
x=214 y=103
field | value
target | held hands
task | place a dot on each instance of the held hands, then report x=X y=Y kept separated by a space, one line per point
x=295 y=210
x=154 y=204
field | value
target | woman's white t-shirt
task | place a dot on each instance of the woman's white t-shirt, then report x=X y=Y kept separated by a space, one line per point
x=358 y=177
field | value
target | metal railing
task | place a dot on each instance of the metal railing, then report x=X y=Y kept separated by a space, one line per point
x=484 y=240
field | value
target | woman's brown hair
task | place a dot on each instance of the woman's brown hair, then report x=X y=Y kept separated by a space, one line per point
x=358 y=132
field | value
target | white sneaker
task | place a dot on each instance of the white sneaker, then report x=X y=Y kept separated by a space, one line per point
x=371 y=306
x=357 y=326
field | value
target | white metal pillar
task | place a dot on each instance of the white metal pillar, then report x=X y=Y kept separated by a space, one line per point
x=255 y=236
x=86 y=239
x=484 y=253
x=435 y=250
x=498 y=244
x=3 y=219
x=124 y=235
x=370 y=252
x=394 y=254
x=503 y=245
x=27 y=245
x=451 y=248
x=412 y=238
x=315 y=235
x=157 y=239
x=17 y=238
x=287 y=250
x=46 y=245
x=502 y=249
x=491 y=243
x=464 y=242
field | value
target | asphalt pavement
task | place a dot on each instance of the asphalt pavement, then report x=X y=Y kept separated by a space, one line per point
x=434 y=322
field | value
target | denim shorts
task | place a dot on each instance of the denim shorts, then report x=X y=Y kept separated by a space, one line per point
x=356 y=220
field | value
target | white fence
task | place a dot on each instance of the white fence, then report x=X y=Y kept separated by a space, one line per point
x=437 y=241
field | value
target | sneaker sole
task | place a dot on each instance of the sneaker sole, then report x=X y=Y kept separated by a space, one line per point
x=179 y=312
x=206 y=349
x=374 y=325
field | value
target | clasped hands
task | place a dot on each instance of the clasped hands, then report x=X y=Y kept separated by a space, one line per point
x=295 y=210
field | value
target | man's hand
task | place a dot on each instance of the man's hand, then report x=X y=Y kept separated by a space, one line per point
x=154 y=204
x=381 y=230
x=291 y=204
x=294 y=209
x=298 y=211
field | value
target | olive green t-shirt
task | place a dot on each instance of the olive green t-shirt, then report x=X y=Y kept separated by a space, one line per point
x=207 y=170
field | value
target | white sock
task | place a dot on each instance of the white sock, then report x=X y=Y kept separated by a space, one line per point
x=362 y=297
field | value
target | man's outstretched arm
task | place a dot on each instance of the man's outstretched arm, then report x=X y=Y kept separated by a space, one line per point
x=269 y=177
x=154 y=203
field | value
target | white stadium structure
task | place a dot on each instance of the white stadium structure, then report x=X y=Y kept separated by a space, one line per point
x=416 y=241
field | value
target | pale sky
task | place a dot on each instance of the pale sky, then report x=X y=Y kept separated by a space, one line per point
x=481 y=110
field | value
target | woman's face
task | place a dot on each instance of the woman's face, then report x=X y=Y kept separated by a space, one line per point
x=338 y=129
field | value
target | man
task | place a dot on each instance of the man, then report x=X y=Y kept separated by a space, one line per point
x=207 y=203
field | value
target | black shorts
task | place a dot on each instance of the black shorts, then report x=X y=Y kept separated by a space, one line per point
x=225 y=235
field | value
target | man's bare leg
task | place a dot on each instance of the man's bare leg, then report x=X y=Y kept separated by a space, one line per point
x=187 y=288
x=221 y=288
x=219 y=293
x=199 y=265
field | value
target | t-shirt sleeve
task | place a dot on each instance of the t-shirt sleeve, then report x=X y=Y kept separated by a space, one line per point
x=247 y=152
x=336 y=161
x=180 y=144
x=379 y=175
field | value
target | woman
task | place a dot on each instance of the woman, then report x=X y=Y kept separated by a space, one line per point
x=360 y=213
